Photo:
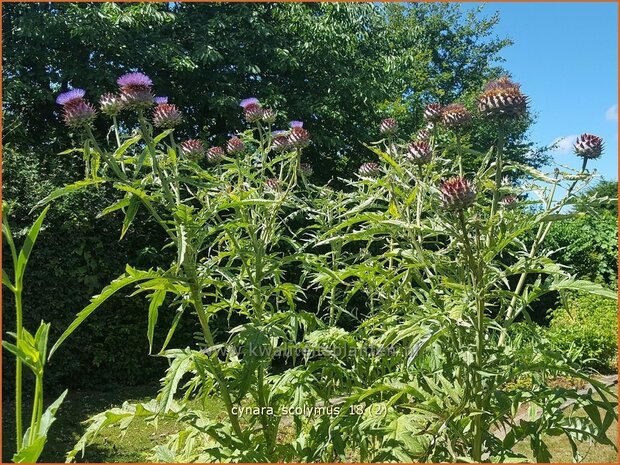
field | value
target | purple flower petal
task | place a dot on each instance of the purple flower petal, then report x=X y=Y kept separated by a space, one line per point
x=134 y=79
x=249 y=101
x=160 y=100
x=296 y=124
x=70 y=96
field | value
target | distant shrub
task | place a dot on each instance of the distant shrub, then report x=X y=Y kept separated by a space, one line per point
x=587 y=325
x=588 y=245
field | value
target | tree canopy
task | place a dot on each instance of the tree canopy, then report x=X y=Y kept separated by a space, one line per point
x=338 y=67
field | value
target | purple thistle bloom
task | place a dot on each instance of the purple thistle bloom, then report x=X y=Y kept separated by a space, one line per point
x=79 y=114
x=134 y=80
x=249 y=101
x=299 y=138
x=160 y=100
x=70 y=97
x=296 y=124
x=279 y=132
x=167 y=116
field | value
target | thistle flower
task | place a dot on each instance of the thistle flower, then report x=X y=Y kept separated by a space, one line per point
x=79 y=114
x=252 y=109
x=253 y=113
x=457 y=193
x=369 y=169
x=160 y=100
x=589 y=146
x=432 y=112
x=510 y=201
x=502 y=97
x=215 y=155
x=388 y=126
x=72 y=96
x=423 y=134
x=110 y=104
x=299 y=138
x=136 y=90
x=193 y=149
x=455 y=116
x=136 y=79
x=296 y=124
x=420 y=152
x=249 y=101
x=272 y=184
x=166 y=116
x=306 y=169
x=268 y=116
x=280 y=141
x=235 y=146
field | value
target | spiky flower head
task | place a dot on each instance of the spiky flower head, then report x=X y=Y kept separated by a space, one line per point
x=76 y=111
x=423 y=134
x=388 y=126
x=167 y=116
x=509 y=202
x=589 y=146
x=420 y=152
x=455 y=116
x=306 y=169
x=249 y=101
x=432 y=112
x=136 y=90
x=369 y=169
x=110 y=104
x=296 y=124
x=136 y=79
x=79 y=114
x=253 y=112
x=160 y=100
x=457 y=193
x=272 y=184
x=72 y=96
x=268 y=116
x=299 y=138
x=280 y=141
x=215 y=155
x=235 y=146
x=502 y=97
x=193 y=149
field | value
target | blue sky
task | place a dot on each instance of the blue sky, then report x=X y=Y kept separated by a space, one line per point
x=565 y=56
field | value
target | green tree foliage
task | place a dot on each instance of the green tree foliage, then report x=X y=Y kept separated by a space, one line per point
x=588 y=246
x=340 y=68
x=588 y=326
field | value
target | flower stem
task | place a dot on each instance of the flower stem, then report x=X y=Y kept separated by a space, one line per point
x=542 y=232
x=498 y=184
x=18 y=370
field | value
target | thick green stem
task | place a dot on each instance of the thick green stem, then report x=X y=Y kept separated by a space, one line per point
x=37 y=407
x=459 y=154
x=476 y=281
x=110 y=160
x=156 y=168
x=543 y=229
x=18 y=371
x=219 y=376
x=498 y=185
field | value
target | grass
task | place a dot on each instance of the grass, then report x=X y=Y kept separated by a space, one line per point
x=141 y=437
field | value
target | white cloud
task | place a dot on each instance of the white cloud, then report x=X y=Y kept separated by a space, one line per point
x=612 y=113
x=564 y=144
